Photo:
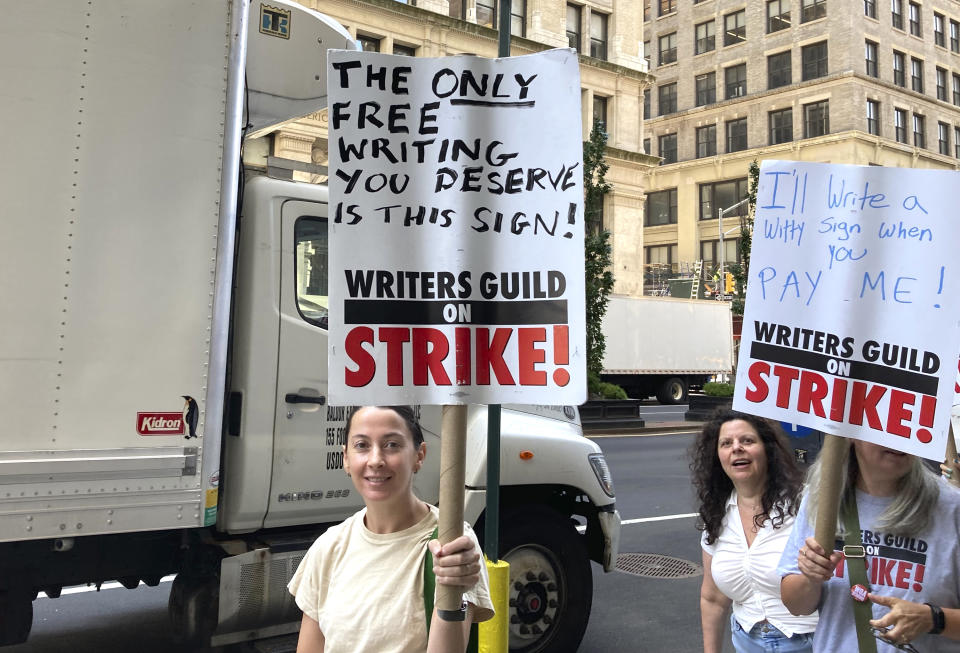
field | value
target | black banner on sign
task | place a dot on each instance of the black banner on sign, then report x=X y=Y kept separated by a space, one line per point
x=418 y=312
x=857 y=370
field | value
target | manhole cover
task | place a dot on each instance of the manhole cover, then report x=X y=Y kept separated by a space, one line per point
x=652 y=565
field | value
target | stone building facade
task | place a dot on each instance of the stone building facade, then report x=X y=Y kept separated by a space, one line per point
x=608 y=34
x=867 y=82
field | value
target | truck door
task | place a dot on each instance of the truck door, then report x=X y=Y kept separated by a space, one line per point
x=308 y=482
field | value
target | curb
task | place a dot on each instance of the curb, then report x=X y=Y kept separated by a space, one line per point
x=656 y=428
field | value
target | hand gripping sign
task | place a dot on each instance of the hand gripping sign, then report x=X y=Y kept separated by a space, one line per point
x=851 y=320
x=456 y=254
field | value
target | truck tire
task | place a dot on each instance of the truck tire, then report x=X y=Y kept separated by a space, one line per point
x=673 y=391
x=551 y=583
x=16 y=617
x=194 y=609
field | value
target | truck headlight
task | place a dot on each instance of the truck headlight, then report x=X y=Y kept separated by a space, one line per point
x=600 y=468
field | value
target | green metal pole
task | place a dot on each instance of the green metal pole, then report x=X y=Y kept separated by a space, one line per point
x=491 y=532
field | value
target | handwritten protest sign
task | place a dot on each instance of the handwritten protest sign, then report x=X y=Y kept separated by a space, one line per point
x=852 y=311
x=456 y=256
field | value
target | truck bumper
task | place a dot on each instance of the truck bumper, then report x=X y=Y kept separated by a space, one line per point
x=610 y=528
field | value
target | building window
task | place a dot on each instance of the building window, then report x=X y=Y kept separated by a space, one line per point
x=919 y=130
x=956 y=89
x=954 y=36
x=709 y=252
x=778 y=15
x=646 y=52
x=368 y=43
x=939 y=32
x=667 y=7
x=660 y=254
x=706 y=141
x=722 y=195
x=943 y=138
x=941 y=84
x=667 y=102
x=916 y=74
x=573 y=27
x=735 y=27
x=900 y=125
x=816 y=119
x=646 y=104
x=646 y=10
x=778 y=70
x=896 y=13
x=646 y=146
x=870 y=8
x=956 y=142
x=705 y=37
x=735 y=81
x=915 y=28
x=873 y=117
x=598 y=35
x=668 y=148
x=706 y=87
x=871 y=58
x=404 y=50
x=814 y=60
x=736 y=135
x=518 y=17
x=668 y=48
x=661 y=208
x=812 y=10
x=600 y=111
x=458 y=9
x=899 y=63
x=487 y=13
x=781 y=126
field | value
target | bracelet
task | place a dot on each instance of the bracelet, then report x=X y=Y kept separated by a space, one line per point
x=939 y=619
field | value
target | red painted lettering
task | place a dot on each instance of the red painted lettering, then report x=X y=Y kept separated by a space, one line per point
x=813 y=390
x=490 y=356
x=394 y=337
x=785 y=378
x=864 y=403
x=530 y=355
x=366 y=365
x=430 y=348
x=759 y=390
x=898 y=412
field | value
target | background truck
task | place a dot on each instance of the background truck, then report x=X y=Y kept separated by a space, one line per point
x=663 y=347
x=163 y=351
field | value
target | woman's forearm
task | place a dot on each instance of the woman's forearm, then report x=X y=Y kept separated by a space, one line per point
x=800 y=594
x=449 y=636
x=712 y=617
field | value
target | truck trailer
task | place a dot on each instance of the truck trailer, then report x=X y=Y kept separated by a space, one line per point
x=663 y=347
x=163 y=371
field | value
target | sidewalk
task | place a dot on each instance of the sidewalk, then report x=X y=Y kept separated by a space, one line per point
x=649 y=428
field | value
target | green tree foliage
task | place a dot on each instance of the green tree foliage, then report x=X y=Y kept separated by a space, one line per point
x=741 y=270
x=597 y=249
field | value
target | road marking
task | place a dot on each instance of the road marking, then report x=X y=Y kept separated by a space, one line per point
x=636 y=435
x=645 y=520
x=112 y=585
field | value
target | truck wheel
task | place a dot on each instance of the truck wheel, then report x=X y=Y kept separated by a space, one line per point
x=551 y=583
x=673 y=391
x=16 y=617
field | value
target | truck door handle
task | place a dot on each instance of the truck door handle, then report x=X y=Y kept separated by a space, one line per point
x=294 y=398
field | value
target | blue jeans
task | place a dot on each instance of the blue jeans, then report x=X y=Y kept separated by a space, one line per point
x=764 y=638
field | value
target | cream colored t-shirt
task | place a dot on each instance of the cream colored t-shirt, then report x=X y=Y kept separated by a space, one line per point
x=365 y=590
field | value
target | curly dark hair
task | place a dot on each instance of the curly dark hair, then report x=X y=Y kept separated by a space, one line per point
x=780 y=498
x=406 y=413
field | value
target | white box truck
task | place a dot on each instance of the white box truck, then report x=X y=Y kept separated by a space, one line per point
x=163 y=350
x=662 y=346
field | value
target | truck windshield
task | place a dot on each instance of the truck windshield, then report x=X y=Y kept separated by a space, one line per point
x=310 y=236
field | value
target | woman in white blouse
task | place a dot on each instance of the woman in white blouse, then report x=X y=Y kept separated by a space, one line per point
x=749 y=490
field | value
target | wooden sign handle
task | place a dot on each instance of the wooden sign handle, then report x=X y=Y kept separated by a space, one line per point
x=828 y=502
